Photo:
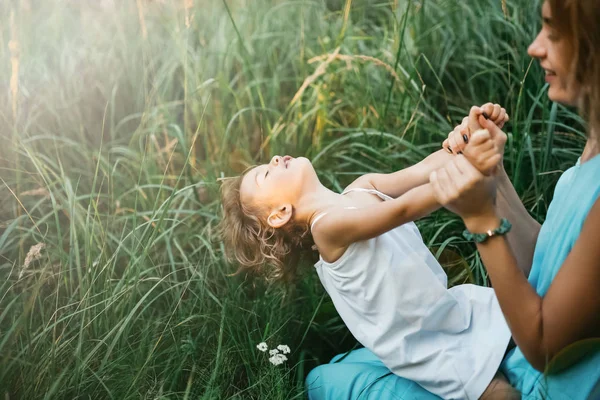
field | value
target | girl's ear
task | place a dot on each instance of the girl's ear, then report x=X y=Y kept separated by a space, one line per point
x=280 y=216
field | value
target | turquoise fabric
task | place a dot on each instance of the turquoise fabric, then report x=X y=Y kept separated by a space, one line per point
x=575 y=194
x=360 y=375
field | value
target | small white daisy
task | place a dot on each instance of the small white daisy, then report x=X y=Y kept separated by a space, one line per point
x=262 y=346
x=278 y=359
x=284 y=349
x=272 y=352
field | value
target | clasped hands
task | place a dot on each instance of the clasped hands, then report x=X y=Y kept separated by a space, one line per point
x=466 y=185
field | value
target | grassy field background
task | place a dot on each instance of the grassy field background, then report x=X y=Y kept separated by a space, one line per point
x=117 y=119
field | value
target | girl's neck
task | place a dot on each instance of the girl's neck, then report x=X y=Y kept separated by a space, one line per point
x=317 y=202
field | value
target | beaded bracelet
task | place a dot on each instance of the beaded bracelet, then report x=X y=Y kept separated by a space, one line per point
x=482 y=237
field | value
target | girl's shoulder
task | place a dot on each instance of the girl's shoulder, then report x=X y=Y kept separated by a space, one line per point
x=362 y=182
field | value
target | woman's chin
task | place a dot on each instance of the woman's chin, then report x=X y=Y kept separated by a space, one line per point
x=562 y=96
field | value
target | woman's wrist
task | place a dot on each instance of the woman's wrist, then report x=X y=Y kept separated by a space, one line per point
x=501 y=171
x=482 y=223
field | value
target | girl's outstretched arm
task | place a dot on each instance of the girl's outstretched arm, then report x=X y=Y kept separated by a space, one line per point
x=341 y=227
x=397 y=183
x=400 y=182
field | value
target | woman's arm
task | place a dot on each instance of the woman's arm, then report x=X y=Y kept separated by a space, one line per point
x=523 y=237
x=541 y=326
x=570 y=310
x=525 y=230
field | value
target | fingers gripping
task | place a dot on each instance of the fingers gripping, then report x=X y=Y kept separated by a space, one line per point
x=482 y=152
x=479 y=118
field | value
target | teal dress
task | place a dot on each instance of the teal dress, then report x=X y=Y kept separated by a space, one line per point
x=575 y=194
x=360 y=375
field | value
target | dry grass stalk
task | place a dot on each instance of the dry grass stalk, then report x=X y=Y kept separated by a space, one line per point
x=188 y=5
x=505 y=8
x=321 y=69
x=348 y=59
x=13 y=46
x=140 y=8
x=36 y=192
x=168 y=148
x=347 y=8
x=34 y=253
x=318 y=72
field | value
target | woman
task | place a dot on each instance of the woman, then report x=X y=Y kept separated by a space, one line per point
x=554 y=316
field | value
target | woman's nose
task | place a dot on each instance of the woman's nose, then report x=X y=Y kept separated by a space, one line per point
x=275 y=160
x=537 y=49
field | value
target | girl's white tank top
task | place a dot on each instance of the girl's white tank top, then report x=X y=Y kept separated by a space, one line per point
x=392 y=295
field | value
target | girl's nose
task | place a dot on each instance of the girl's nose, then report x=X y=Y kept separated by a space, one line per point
x=275 y=160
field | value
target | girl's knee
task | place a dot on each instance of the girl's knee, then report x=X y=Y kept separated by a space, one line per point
x=339 y=380
x=362 y=355
x=315 y=382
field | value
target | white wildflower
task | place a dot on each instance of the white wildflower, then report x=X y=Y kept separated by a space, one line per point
x=262 y=346
x=34 y=253
x=284 y=349
x=278 y=359
x=272 y=352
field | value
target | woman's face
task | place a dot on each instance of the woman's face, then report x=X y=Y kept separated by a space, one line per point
x=554 y=54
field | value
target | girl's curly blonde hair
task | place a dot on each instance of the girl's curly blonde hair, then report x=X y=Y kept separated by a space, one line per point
x=254 y=244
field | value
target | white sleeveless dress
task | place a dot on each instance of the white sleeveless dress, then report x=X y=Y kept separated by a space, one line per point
x=392 y=295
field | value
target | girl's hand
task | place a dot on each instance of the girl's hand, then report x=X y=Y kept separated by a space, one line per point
x=464 y=190
x=460 y=136
x=483 y=153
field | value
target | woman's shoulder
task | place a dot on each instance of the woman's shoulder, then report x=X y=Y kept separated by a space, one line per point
x=579 y=180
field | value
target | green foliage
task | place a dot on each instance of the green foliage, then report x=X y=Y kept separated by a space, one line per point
x=122 y=125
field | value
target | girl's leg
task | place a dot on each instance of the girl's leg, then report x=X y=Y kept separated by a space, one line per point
x=360 y=375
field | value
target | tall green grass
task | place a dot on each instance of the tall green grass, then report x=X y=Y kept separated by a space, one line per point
x=127 y=114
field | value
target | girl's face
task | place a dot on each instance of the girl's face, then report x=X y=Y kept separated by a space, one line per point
x=554 y=54
x=281 y=182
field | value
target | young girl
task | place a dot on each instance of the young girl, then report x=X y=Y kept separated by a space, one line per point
x=385 y=284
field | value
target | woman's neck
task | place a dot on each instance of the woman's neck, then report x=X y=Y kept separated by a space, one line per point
x=591 y=149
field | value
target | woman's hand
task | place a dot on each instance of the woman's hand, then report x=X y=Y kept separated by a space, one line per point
x=467 y=191
x=460 y=136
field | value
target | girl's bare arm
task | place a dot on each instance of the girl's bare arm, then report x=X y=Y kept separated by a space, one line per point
x=341 y=227
x=397 y=183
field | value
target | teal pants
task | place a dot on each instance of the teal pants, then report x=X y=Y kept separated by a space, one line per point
x=360 y=375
